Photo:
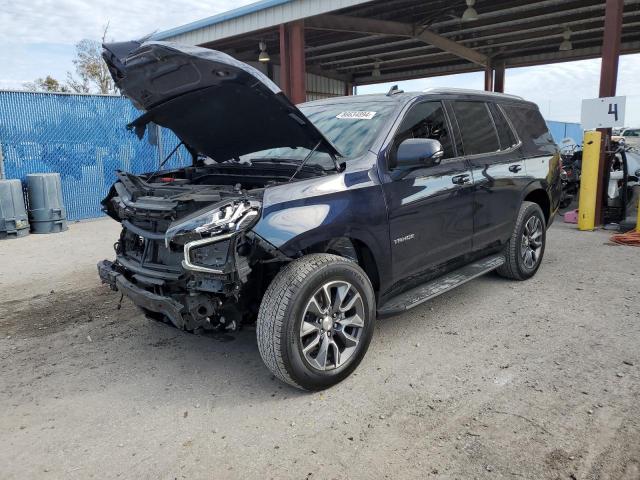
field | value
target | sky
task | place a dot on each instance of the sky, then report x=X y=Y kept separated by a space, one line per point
x=37 y=39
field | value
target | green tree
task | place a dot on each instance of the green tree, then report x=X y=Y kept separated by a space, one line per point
x=92 y=74
x=46 y=84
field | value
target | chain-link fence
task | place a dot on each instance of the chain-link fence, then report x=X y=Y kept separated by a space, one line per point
x=82 y=137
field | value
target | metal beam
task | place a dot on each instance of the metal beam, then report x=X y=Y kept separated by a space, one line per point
x=488 y=79
x=386 y=44
x=428 y=51
x=429 y=54
x=575 y=54
x=344 y=23
x=611 y=47
x=344 y=43
x=550 y=20
x=399 y=43
x=418 y=73
x=551 y=17
x=292 y=64
x=608 y=82
x=284 y=60
x=520 y=61
x=498 y=82
x=501 y=12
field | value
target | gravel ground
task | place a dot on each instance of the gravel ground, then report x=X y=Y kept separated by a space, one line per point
x=497 y=379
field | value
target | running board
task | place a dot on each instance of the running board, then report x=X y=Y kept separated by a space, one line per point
x=420 y=294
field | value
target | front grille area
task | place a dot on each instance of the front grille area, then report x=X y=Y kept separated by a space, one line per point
x=149 y=253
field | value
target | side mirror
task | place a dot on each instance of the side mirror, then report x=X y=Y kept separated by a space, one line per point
x=419 y=152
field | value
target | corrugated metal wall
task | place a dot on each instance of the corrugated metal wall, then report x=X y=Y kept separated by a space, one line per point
x=322 y=87
x=253 y=18
x=318 y=87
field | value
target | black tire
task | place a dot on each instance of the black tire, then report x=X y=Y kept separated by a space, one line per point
x=286 y=305
x=515 y=266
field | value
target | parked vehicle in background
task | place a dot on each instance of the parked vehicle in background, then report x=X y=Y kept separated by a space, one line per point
x=312 y=220
x=571 y=155
x=631 y=137
x=624 y=174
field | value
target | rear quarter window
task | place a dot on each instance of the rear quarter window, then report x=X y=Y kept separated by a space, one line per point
x=531 y=128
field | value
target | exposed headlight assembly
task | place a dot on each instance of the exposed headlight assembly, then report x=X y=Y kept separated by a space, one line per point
x=217 y=225
x=231 y=217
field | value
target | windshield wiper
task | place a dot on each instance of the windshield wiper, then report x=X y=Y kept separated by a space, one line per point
x=274 y=160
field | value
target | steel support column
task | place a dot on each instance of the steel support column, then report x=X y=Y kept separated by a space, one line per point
x=292 y=61
x=488 y=78
x=284 y=60
x=498 y=82
x=608 y=82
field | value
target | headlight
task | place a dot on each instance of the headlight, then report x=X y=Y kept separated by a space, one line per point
x=234 y=216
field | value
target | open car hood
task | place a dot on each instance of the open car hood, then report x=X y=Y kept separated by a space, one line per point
x=217 y=105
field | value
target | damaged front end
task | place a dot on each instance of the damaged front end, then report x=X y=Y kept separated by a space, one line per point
x=186 y=252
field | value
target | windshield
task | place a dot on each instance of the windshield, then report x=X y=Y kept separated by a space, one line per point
x=350 y=126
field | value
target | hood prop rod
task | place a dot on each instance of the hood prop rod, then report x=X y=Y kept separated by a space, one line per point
x=306 y=159
x=165 y=161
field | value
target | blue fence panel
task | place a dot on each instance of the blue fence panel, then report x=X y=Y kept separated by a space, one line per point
x=562 y=130
x=82 y=137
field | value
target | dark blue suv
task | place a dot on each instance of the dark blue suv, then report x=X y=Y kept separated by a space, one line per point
x=312 y=220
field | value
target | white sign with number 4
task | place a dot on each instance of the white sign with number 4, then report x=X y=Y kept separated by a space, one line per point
x=607 y=112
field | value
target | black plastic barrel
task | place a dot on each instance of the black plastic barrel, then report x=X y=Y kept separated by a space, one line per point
x=46 y=209
x=14 y=222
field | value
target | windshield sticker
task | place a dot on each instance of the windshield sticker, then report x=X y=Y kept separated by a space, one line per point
x=356 y=115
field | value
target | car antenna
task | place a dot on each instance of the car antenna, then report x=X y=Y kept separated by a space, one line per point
x=306 y=159
x=394 y=91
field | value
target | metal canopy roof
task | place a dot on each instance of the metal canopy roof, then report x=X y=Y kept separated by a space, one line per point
x=347 y=39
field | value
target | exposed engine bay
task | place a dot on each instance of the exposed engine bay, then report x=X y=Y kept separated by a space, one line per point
x=186 y=252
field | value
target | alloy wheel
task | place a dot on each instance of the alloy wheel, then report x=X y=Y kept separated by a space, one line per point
x=531 y=245
x=332 y=324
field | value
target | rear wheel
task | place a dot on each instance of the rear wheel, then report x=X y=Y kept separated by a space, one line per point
x=525 y=249
x=316 y=321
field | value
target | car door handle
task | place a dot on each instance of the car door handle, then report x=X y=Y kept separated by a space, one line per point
x=515 y=168
x=461 y=179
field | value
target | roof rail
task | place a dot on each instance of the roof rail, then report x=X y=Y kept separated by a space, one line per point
x=471 y=92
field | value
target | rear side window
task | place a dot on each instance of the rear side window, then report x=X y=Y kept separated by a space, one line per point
x=505 y=134
x=476 y=127
x=531 y=128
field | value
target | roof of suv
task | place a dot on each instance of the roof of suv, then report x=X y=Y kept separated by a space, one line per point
x=403 y=97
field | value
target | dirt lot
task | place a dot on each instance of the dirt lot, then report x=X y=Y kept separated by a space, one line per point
x=497 y=379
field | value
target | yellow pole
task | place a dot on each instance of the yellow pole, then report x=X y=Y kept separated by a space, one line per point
x=589 y=180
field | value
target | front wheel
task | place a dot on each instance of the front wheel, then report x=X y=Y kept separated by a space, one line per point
x=524 y=250
x=316 y=321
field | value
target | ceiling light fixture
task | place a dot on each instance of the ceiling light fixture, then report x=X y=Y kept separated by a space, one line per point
x=264 y=55
x=470 y=13
x=566 y=44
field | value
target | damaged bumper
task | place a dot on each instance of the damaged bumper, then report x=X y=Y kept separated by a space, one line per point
x=142 y=298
